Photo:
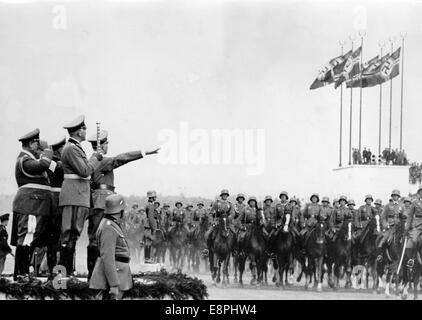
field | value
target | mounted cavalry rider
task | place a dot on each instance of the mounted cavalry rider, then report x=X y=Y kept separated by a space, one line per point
x=279 y=208
x=179 y=216
x=414 y=226
x=364 y=214
x=239 y=208
x=221 y=208
x=391 y=216
x=326 y=211
x=340 y=215
x=189 y=216
x=250 y=215
x=198 y=214
x=309 y=217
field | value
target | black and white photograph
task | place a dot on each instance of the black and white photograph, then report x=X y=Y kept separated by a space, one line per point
x=227 y=150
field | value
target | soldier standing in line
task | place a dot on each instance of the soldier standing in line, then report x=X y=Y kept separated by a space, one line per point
x=55 y=221
x=4 y=247
x=111 y=274
x=102 y=185
x=32 y=202
x=151 y=224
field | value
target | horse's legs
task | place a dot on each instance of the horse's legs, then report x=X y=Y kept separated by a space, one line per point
x=252 y=266
x=318 y=266
x=235 y=266
x=226 y=269
x=241 y=264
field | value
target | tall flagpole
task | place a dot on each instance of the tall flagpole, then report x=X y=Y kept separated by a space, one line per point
x=351 y=112
x=381 y=44
x=362 y=33
x=341 y=109
x=402 y=35
x=391 y=39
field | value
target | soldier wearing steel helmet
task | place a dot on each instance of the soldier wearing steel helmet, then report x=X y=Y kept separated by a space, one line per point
x=339 y=216
x=151 y=223
x=326 y=211
x=189 y=216
x=198 y=214
x=309 y=217
x=220 y=208
x=363 y=215
x=413 y=226
x=239 y=208
x=391 y=216
x=166 y=215
x=111 y=275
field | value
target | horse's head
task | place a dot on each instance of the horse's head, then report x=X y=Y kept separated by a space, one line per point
x=320 y=230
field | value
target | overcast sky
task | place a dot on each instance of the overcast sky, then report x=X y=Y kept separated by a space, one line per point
x=143 y=67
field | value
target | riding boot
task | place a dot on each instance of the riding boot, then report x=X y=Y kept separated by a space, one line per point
x=147 y=253
x=66 y=257
x=92 y=254
x=72 y=257
x=51 y=258
x=21 y=261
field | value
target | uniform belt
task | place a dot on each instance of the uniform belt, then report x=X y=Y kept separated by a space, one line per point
x=75 y=176
x=36 y=186
x=55 y=189
x=102 y=186
x=122 y=259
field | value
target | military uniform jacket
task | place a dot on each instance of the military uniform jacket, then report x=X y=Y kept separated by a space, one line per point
x=340 y=215
x=179 y=215
x=4 y=247
x=104 y=175
x=392 y=215
x=198 y=214
x=325 y=213
x=364 y=215
x=310 y=215
x=221 y=207
x=250 y=215
x=34 y=193
x=56 y=181
x=269 y=214
x=152 y=214
x=76 y=192
x=112 y=244
x=414 y=219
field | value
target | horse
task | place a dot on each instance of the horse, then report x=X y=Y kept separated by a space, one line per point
x=220 y=248
x=197 y=242
x=365 y=253
x=252 y=245
x=177 y=240
x=315 y=253
x=158 y=246
x=391 y=257
x=340 y=251
x=412 y=272
x=284 y=244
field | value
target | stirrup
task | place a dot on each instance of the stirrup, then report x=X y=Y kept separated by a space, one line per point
x=410 y=263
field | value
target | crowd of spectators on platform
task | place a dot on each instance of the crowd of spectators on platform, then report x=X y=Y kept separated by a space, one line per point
x=387 y=157
x=415 y=173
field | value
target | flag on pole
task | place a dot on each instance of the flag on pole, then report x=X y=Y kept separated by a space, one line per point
x=331 y=71
x=351 y=67
x=381 y=71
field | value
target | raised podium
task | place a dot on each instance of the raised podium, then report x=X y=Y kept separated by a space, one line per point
x=356 y=181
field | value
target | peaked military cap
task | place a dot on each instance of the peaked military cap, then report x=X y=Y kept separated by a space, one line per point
x=75 y=124
x=103 y=137
x=224 y=191
x=268 y=198
x=240 y=195
x=4 y=217
x=33 y=135
x=283 y=193
x=368 y=196
x=57 y=144
x=395 y=192
x=114 y=204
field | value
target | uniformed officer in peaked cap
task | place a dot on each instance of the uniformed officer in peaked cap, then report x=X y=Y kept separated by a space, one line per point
x=4 y=247
x=32 y=202
x=102 y=185
x=75 y=195
x=55 y=221
x=151 y=224
x=112 y=271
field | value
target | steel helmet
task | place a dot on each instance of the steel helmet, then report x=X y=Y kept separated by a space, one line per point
x=114 y=204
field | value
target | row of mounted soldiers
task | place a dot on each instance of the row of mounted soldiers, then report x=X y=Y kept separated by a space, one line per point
x=59 y=187
x=271 y=216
